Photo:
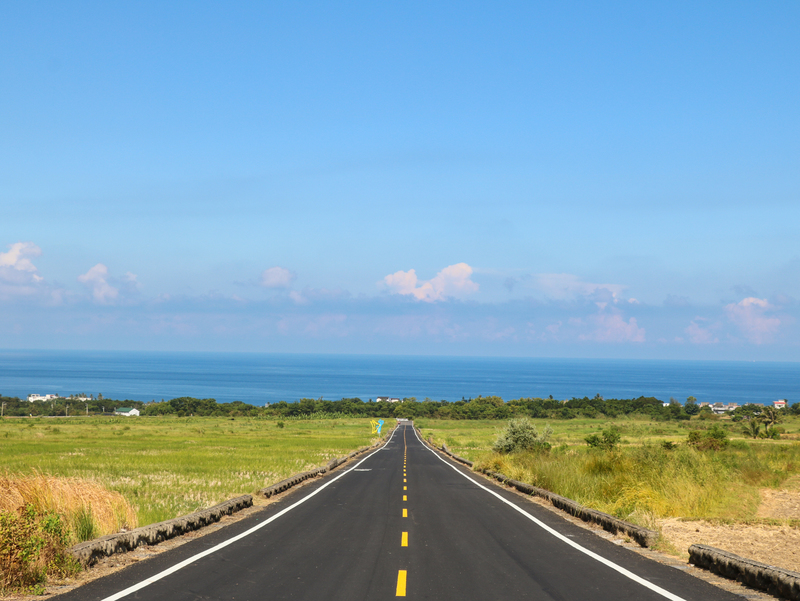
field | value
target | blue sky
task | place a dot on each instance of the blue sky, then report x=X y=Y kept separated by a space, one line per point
x=540 y=179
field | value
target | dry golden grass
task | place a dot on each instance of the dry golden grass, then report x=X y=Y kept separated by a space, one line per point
x=89 y=508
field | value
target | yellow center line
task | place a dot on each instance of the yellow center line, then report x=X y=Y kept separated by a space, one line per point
x=404 y=540
x=405 y=498
x=404 y=480
x=405 y=488
x=405 y=512
x=401 y=583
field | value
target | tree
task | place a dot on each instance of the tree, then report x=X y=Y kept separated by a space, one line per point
x=691 y=407
x=752 y=428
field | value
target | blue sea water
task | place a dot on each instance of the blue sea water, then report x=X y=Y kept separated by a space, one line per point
x=260 y=378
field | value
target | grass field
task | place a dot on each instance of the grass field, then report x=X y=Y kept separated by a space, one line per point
x=168 y=466
x=641 y=480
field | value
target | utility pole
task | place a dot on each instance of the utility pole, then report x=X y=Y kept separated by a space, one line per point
x=3 y=410
x=87 y=409
x=67 y=411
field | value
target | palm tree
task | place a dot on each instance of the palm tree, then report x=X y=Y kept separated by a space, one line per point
x=752 y=428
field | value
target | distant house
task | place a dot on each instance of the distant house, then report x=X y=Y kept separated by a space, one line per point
x=386 y=399
x=127 y=411
x=720 y=408
x=779 y=404
x=42 y=397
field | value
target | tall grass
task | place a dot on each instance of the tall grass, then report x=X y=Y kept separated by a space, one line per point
x=647 y=482
x=169 y=466
x=88 y=508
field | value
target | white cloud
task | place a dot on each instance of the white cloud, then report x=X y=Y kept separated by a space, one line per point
x=700 y=335
x=562 y=286
x=18 y=274
x=96 y=279
x=19 y=256
x=452 y=281
x=750 y=315
x=277 y=277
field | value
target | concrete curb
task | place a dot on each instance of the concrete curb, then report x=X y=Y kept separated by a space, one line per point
x=776 y=581
x=643 y=536
x=89 y=552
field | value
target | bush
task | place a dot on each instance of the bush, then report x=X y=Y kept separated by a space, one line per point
x=521 y=435
x=608 y=440
x=32 y=546
x=714 y=439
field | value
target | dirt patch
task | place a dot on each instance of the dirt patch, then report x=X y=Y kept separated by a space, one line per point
x=773 y=545
x=781 y=504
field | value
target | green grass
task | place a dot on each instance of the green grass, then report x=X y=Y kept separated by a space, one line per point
x=169 y=466
x=640 y=481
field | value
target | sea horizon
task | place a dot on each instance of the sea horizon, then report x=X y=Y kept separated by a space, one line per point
x=260 y=378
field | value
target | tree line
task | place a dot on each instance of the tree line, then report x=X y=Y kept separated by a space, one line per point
x=488 y=407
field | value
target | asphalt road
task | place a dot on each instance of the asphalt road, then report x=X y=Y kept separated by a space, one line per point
x=403 y=521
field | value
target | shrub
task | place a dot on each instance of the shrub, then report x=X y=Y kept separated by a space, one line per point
x=521 y=435
x=714 y=439
x=32 y=546
x=608 y=440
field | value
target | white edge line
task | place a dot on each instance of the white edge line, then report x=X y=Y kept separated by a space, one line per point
x=230 y=541
x=558 y=535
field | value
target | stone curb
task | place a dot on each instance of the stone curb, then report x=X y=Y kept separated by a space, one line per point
x=89 y=552
x=643 y=536
x=776 y=581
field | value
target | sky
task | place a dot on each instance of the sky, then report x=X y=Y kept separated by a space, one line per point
x=572 y=179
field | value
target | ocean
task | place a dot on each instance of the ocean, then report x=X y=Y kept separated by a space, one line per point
x=260 y=378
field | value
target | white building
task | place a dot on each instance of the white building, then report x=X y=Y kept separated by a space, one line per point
x=127 y=411
x=779 y=404
x=42 y=397
x=386 y=399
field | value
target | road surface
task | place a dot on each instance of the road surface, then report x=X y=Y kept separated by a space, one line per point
x=401 y=522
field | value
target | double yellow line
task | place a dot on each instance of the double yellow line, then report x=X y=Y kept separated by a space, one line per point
x=402 y=575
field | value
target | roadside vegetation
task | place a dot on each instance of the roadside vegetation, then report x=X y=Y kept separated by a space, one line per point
x=636 y=468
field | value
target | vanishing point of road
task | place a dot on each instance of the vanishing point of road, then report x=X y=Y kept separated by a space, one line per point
x=401 y=522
